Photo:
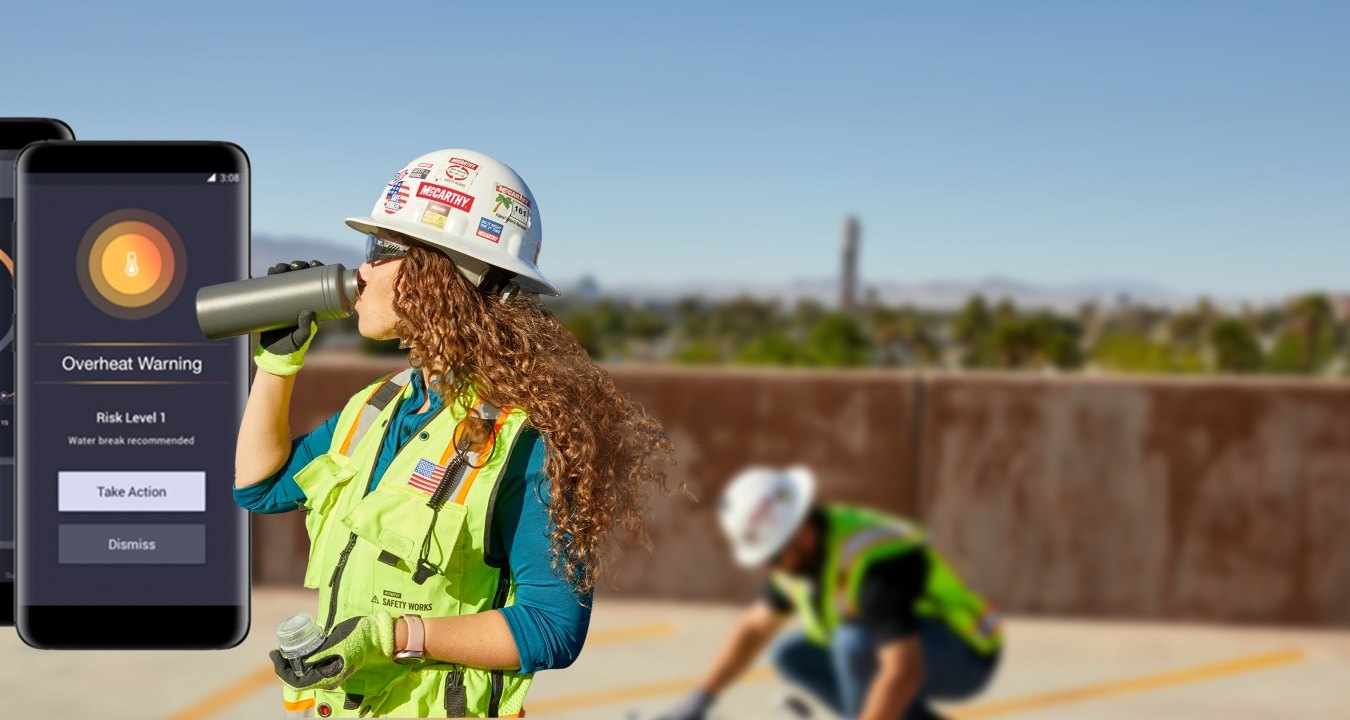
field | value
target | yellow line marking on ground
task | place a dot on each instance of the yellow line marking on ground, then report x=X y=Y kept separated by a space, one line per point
x=1005 y=707
x=238 y=690
x=265 y=677
x=1133 y=685
x=607 y=697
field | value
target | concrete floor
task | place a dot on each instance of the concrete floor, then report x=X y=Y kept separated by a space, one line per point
x=641 y=657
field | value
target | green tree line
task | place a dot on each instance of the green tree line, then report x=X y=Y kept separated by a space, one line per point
x=1303 y=336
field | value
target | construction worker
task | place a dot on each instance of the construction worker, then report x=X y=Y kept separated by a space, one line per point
x=456 y=510
x=886 y=625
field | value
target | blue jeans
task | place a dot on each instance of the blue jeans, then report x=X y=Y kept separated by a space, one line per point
x=840 y=675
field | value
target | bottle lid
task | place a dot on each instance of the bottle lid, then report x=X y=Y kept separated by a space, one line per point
x=299 y=635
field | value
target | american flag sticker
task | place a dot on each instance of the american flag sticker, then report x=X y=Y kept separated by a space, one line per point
x=427 y=476
x=395 y=197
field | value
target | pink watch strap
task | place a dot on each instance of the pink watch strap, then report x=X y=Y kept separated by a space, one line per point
x=416 y=645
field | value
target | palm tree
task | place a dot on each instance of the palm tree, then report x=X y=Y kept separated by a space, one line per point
x=1310 y=316
x=501 y=200
x=971 y=328
x=972 y=323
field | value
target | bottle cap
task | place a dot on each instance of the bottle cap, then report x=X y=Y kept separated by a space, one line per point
x=298 y=635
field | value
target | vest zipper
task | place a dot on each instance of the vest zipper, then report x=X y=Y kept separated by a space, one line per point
x=335 y=582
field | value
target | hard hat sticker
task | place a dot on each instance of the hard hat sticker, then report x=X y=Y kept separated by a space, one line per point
x=395 y=197
x=489 y=230
x=511 y=206
x=435 y=215
x=460 y=172
x=445 y=196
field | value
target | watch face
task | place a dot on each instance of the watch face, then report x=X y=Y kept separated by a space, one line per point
x=408 y=658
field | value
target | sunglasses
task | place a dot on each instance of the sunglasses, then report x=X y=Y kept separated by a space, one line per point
x=378 y=249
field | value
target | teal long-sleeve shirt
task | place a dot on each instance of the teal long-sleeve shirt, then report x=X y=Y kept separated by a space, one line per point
x=550 y=618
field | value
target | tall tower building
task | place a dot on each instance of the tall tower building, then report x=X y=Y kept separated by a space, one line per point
x=848 y=285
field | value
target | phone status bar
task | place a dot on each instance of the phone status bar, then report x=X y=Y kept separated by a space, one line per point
x=114 y=178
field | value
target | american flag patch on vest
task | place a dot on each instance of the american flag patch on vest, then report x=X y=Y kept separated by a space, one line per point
x=426 y=476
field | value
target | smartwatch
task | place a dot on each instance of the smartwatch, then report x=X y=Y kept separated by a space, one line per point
x=416 y=648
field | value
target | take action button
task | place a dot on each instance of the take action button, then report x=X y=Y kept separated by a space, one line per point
x=131 y=491
x=131 y=544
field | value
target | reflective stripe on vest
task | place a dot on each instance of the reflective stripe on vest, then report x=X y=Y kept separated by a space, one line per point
x=376 y=402
x=859 y=546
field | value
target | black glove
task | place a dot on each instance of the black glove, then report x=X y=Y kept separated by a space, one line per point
x=342 y=653
x=288 y=340
x=284 y=341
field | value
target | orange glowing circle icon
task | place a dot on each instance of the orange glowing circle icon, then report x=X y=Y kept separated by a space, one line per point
x=131 y=264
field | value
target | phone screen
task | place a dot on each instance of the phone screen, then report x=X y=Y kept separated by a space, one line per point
x=127 y=416
x=7 y=366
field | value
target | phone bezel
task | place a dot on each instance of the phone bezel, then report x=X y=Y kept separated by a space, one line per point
x=15 y=134
x=86 y=626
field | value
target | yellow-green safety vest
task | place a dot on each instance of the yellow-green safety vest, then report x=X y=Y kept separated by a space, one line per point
x=855 y=538
x=366 y=549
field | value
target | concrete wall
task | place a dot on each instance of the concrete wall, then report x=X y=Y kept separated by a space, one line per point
x=855 y=430
x=1221 y=500
x=1217 y=500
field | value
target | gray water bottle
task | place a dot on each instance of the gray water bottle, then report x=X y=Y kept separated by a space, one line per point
x=275 y=301
x=297 y=637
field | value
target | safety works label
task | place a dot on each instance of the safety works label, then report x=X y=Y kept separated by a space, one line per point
x=460 y=171
x=395 y=600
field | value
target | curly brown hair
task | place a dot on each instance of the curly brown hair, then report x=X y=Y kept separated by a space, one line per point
x=604 y=452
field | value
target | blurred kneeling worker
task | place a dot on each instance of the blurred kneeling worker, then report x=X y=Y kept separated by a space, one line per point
x=886 y=625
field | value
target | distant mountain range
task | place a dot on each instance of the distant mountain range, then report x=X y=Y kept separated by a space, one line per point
x=268 y=250
x=932 y=294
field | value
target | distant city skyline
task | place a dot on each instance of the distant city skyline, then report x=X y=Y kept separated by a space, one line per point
x=1193 y=145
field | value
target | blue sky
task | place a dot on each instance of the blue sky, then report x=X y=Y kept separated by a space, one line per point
x=1199 y=145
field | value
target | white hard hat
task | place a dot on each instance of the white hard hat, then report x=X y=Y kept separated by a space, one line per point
x=474 y=208
x=761 y=509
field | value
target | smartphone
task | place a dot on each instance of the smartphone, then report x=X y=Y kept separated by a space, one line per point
x=126 y=417
x=15 y=133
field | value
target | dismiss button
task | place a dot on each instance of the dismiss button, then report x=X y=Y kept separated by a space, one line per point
x=131 y=544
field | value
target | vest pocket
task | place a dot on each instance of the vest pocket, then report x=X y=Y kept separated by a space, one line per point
x=322 y=481
x=397 y=521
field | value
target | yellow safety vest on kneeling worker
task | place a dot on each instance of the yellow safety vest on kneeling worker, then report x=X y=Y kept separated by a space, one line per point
x=855 y=538
x=369 y=550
